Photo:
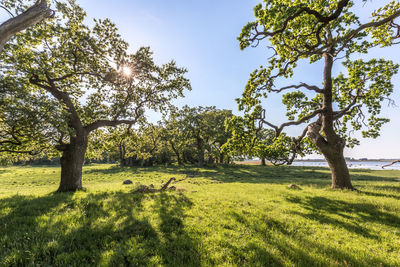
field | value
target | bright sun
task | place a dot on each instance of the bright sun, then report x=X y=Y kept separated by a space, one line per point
x=127 y=71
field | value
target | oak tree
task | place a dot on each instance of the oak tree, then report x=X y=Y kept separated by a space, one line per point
x=331 y=32
x=86 y=77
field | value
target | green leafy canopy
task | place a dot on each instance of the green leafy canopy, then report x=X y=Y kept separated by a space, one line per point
x=329 y=31
x=62 y=78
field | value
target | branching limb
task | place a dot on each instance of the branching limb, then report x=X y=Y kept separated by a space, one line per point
x=347 y=38
x=110 y=123
x=8 y=11
x=60 y=96
x=279 y=129
x=30 y=17
x=387 y=165
x=301 y=85
x=258 y=36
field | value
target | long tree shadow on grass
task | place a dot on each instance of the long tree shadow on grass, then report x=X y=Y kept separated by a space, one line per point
x=391 y=188
x=378 y=194
x=282 y=244
x=314 y=176
x=179 y=249
x=105 y=228
x=346 y=215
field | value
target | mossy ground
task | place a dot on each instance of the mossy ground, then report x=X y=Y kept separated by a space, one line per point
x=227 y=216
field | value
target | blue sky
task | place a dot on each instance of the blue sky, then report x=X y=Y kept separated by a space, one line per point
x=201 y=36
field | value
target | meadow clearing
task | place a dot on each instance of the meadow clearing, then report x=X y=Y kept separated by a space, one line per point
x=236 y=215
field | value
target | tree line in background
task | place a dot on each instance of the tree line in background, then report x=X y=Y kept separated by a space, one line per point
x=187 y=136
x=190 y=135
x=72 y=91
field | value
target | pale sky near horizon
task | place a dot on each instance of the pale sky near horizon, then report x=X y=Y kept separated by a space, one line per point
x=201 y=36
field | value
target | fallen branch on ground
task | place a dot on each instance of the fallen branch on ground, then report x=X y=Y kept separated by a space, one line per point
x=387 y=165
x=150 y=189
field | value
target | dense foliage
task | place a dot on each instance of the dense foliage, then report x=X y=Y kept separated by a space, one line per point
x=185 y=136
x=73 y=80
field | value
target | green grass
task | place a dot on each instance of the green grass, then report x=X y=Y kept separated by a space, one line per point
x=227 y=216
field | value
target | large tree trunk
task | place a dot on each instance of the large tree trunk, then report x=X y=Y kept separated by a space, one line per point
x=263 y=162
x=333 y=153
x=330 y=144
x=72 y=160
x=130 y=161
x=30 y=17
x=178 y=157
x=340 y=172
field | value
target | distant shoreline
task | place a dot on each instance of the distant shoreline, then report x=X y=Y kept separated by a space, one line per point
x=347 y=160
x=351 y=164
x=323 y=160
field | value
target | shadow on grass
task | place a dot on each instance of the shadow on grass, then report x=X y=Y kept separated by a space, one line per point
x=105 y=228
x=391 y=188
x=345 y=215
x=378 y=194
x=4 y=171
x=297 y=249
x=316 y=176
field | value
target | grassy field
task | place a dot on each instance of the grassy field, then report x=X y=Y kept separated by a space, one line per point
x=225 y=216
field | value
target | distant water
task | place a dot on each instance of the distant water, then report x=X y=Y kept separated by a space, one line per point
x=373 y=165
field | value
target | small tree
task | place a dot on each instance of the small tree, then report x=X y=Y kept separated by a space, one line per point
x=85 y=76
x=26 y=17
x=329 y=31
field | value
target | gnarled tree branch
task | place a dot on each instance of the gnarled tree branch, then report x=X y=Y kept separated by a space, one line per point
x=30 y=17
x=387 y=165
x=301 y=85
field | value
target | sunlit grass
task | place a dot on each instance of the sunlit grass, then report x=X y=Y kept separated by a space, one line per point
x=227 y=215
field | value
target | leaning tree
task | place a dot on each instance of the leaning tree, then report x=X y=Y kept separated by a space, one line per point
x=87 y=79
x=327 y=31
x=22 y=17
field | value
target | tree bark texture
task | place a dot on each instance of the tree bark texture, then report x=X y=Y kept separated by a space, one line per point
x=73 y=157
x=329 y=143
x=30 y=17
